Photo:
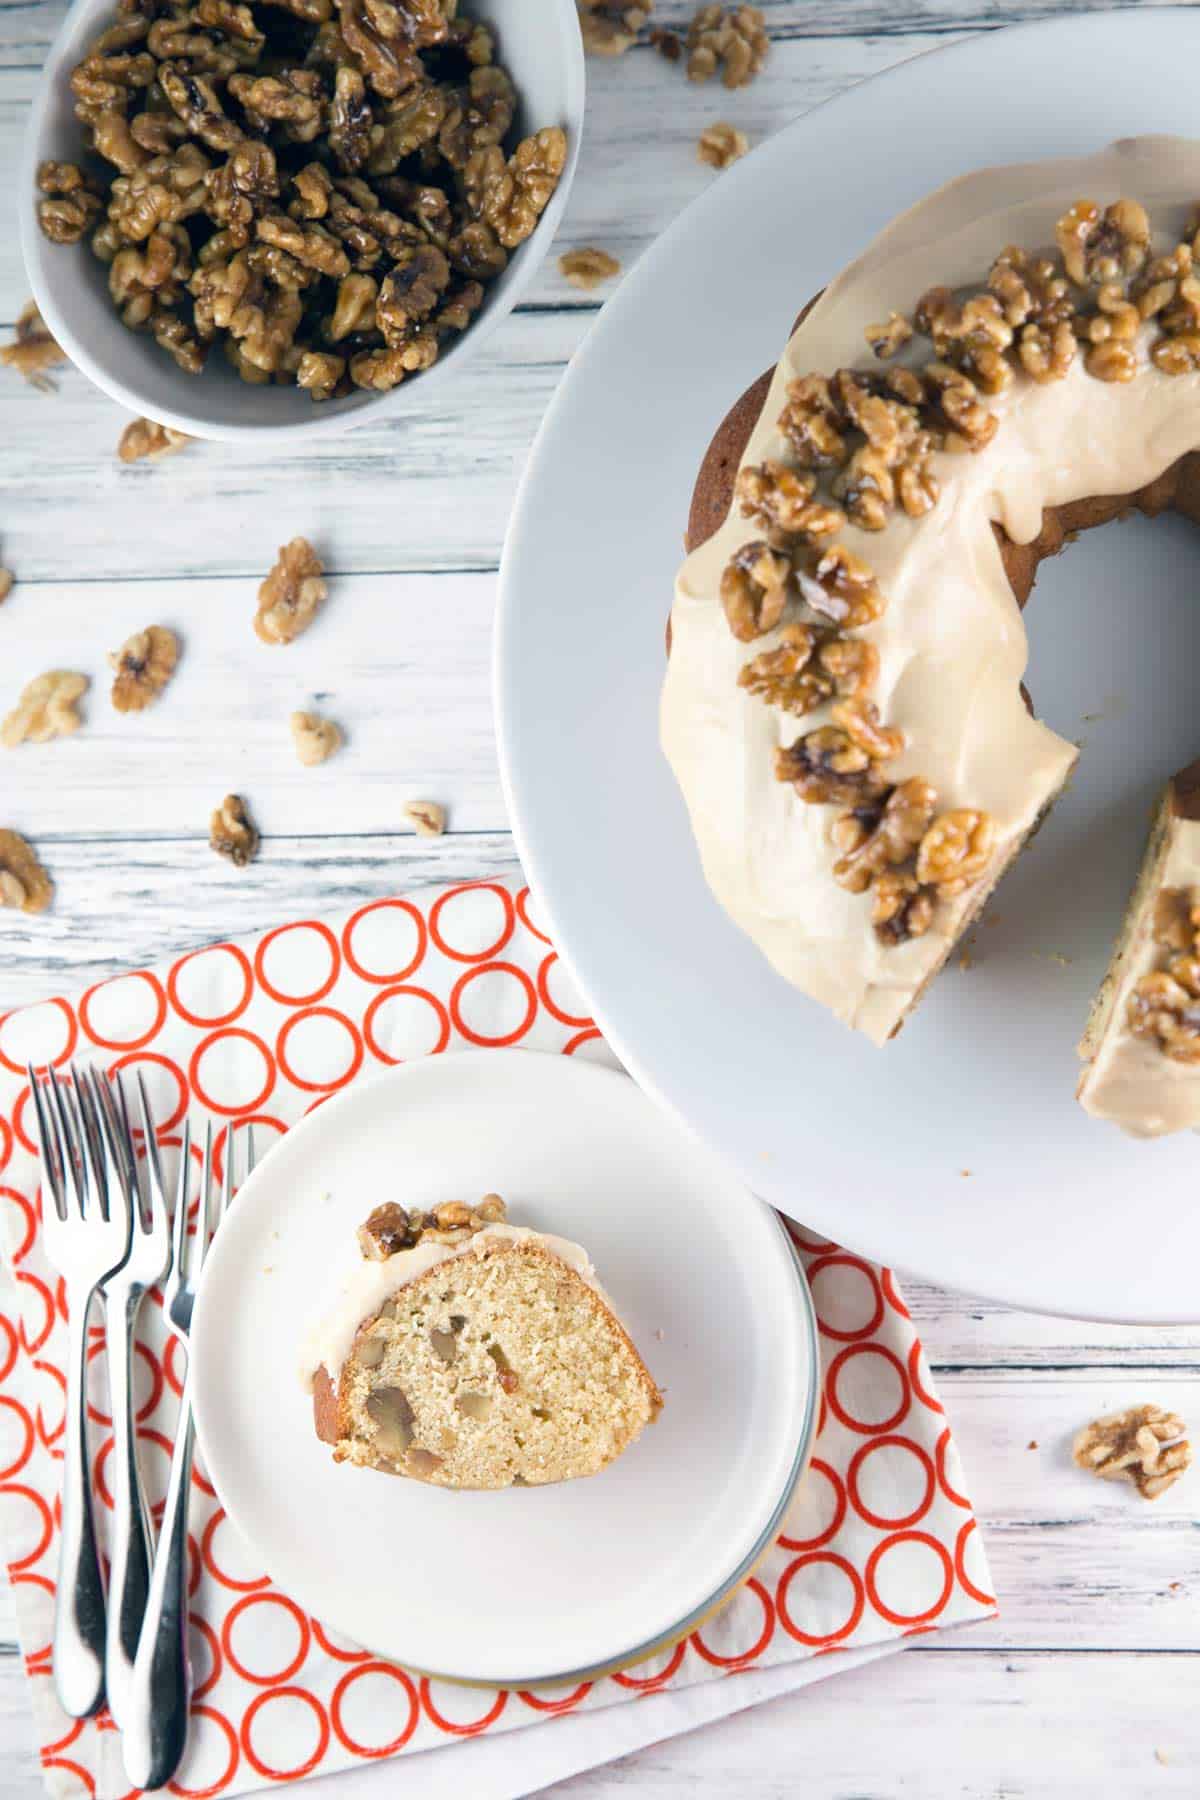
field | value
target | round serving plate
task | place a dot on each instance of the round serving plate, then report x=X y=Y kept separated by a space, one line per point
x=540 y=1584
x=958 y=1151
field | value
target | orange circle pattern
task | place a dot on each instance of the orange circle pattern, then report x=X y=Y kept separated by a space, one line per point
x=274 y=1708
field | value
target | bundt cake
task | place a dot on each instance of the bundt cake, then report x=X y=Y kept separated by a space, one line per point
x=843 y=707
x=471 y=1353
x=1142 y=1043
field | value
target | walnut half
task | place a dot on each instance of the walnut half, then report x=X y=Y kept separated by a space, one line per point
x=1146 y=1445
x=143 y=438
x=721 y=144
x=47 y=709
x=426 y=817
x=232 y=833
x=315 y=738
x=144 y=664
x=32 y=350
x=587 y=268
x=23 y=881
x=291 y=595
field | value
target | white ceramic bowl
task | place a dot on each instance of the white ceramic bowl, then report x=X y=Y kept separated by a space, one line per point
x=540 y=47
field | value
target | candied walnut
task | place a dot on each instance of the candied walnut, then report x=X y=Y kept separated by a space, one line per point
x=291 y=100
x=859 y=719
x=867 y=489
x=462 y=302
x=291 y=595
x=587 y=268
x=164 y=191
x=1103 y=247
x=732 y=39
x=387 y=1230
x=405 y=127
x=315 y=738
x=113 y=139
x=810 y=422
x=755 y=587
x=1178 y=355
x=312 y=186
x=1162 y=1007
x=23 y=881
x=721 y=144
x=785 y=503
x=971 y=335
x=669 y=44
x=46 y=709
x=1145 y=1445
x=321 y=373
x=158 y=133
x=970 y=426
x=1177 y=919
x=193 y=98
x=889 y=338
x=900 y=907
x=917 y=486
x=143 y=666
x=242 y=186
x=105 y=82
x=480 y=116
x=235 y=20
x=1047 y=351
x=610 y=27
x=511 y=196
x=828 y=767
x=956 y=850
x=840 y=586
x=427 y=818
x=32 y=350
x=1112 y=361
x=1030 y=289
x=808 y=667
x=232 y=833
x=383 y=370
x=380 y=45
x=71 y=204
x=350 y=120
x=875 y=838
x=410 y=293
x=172 y=334
x=308 y=242
x=354 y=308
x=143 y=281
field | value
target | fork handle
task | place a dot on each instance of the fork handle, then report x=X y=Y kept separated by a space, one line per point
x=132 y=1536
x=156 y=1726
x=79 y=1597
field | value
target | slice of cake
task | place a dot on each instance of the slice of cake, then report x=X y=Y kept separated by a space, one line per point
x=1142 y=1043
x=471 y=1353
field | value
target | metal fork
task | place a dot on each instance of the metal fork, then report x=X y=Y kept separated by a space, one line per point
x=85 y=1232
x=157 y=1704
x=149 y=1260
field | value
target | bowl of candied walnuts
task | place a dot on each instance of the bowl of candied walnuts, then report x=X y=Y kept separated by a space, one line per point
x=245 y=219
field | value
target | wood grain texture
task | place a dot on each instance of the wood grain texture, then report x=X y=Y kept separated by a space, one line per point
x=1090 y=1667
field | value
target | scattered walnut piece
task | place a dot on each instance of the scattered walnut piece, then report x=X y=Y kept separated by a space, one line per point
x=610 y=27
x=6 y=584
x=23 y=881
x=144 y=437
x=669 y=44
x=889 y=337
x=315 y=738
x=732 y=39
x=588 y=268
x=232 y=832
x=428 y=818
x=721 y=144
x=144 y=664
x=32 y=350
x=46 y=709
x=291 y=595
x=1145 y=1445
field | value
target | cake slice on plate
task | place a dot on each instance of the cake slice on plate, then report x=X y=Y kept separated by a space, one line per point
x=471 y=1353
x=1142 y=1043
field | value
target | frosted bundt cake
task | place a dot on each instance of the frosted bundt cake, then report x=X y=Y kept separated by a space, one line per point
x=471 y=1353
x=1142 y=1043
x=843 y=707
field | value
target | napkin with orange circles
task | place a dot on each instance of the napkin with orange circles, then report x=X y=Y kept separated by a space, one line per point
x=881 y=1541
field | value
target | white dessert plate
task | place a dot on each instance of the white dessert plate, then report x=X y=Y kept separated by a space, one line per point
x=529 y=1585
x=958 y=1151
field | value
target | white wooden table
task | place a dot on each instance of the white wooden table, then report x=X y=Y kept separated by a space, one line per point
x=1086 y=1680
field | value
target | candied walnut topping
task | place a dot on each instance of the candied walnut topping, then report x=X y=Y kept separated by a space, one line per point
x=32 y=350
x=315 y=738
x=889 y=338
x=1146 y=1446
x=610 y=27
x=392 y=1228
x=732 y=39
x=827 y=766
x=900 y=907
x=252 y=159
x=874 y=839
x=1103 y=246
x=587 y=268
x=427 y=818
x=232 y=833
x=47 y=708
x=144 y=438
x=721 y=144
x=808 y=668
x=143 y=666
x=956 y=850
x=755 y=588
x=841 y=586
x=784 y=503
x=24 y=883
x=291 y=595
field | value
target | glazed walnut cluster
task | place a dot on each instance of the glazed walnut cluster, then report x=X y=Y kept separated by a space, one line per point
x=858 y=450
x=1165 y=1004
x=392 y=1228
x=323 y=187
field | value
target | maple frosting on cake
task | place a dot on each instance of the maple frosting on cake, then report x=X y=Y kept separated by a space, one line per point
x=948 y=646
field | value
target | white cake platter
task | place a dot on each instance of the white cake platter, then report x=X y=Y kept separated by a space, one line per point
x=958 y=1151
x=550 y=1584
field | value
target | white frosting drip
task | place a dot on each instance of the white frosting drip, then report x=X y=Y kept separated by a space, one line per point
x=369 y=1284
x=1130 y=1079
x=952 y=643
